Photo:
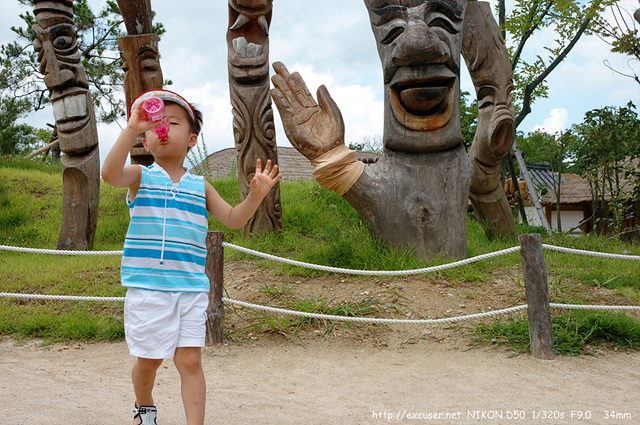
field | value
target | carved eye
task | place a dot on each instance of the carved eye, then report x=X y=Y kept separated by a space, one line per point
x=63 y=37
x=63 y=43
x=149 y=65
x=485 y=97
x=394 y=33
x=443 y=23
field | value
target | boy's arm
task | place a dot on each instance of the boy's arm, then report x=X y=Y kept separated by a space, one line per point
x=114 y=170
x=236 y=217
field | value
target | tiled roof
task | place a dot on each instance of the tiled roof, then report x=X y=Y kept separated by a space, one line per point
x=542 y=177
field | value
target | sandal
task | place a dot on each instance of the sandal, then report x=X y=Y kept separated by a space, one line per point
x=147 y=414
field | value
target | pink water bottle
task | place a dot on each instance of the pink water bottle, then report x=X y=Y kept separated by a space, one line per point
x=153 y=108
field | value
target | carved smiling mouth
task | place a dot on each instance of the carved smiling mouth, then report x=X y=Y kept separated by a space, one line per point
x=423 y=104
x=248 y=42
x=70 y=110
x=244 y=49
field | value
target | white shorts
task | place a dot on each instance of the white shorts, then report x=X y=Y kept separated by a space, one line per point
x=157 y=322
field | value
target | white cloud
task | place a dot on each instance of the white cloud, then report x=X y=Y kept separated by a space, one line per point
x=555 y=123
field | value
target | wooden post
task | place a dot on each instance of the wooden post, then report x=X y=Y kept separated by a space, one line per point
x=535 y=281
x=214 y=268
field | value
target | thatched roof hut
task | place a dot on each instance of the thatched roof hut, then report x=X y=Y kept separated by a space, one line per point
x=574 y=190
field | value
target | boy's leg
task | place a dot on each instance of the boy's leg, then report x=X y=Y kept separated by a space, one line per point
x=143 y=376
x=188 y=361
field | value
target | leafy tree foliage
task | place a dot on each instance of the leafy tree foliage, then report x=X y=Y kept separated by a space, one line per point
x=468 y=118
x=606 y=151
x=368 y=144
x=568 y=19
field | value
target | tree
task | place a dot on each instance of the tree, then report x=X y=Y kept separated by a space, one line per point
x=368 y=144
x=570 y=19
x=537 y=146
x=17 y=139
x=623 y=37
x=606 y=149
x=14 y=68
x=468 y=118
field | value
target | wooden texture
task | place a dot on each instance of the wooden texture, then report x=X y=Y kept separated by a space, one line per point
x=429 y=214
x=80 y=195
x=142 y=72
x=253 y=127
x=64 y=75
x=137 y=16
x=214 y=268
x=490 y=70
x=535 y=280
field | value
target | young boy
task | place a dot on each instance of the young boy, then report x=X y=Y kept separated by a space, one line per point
x=164 y=250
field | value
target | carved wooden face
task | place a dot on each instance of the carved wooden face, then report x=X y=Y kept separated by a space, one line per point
x=419 y=43
x=495 y=117
x=490 y=70
x=60 y=62
x=141 y=68
x=248 y=39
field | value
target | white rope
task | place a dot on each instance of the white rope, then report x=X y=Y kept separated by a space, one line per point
x=342 y=270
x=591 y=253
x=373 y=272
x=287 y=312
x=340 y=318
x=57 y=251
x=374 y=320
x=595 y=307
x=59 y=297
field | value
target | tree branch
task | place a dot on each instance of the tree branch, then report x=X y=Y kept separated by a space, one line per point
x=527 y=35
x=528 y=91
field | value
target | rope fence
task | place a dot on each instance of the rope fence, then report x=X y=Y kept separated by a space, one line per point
x=532 y=292
x=277 y=310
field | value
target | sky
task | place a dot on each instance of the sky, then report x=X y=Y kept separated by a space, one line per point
x=330 y=42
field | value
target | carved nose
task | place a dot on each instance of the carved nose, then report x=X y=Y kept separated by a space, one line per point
x=59 y=78
x=419 y=45
x=54 y=75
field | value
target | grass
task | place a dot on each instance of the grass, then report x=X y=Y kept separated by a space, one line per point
x=318 y=227
x=574 y=333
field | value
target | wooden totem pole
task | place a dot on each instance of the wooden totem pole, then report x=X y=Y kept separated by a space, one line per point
x=253 y=127
x=490 y=69
x=416 y=195
x=64 y=75
x=141 y=60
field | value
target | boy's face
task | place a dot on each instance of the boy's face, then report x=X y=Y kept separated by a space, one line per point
x=180 y=137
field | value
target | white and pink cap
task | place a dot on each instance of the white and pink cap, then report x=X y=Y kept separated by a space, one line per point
x=165 y=95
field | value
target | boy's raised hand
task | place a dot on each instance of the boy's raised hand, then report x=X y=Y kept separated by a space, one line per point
x=138 y=121
x=264 y=180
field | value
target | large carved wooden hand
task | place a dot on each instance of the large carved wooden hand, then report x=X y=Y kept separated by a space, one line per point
x=312 y=128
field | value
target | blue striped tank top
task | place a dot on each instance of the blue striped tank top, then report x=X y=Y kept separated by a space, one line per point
x=165 y=246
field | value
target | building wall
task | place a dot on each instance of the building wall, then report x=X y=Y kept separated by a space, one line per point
x=570 y=219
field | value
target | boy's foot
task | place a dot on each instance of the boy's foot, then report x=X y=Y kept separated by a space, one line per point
x=144 y=415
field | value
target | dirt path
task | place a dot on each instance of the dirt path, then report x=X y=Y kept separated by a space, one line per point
x=283 y=382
